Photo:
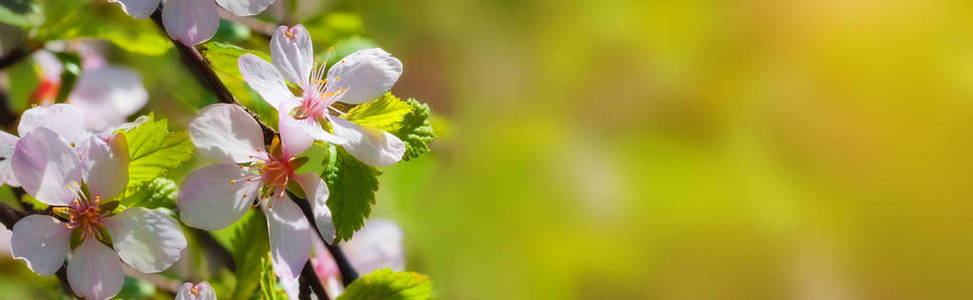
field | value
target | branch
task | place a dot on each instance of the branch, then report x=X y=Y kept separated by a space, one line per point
x=309 y=278
x=15 y=56
x=204 y=72
x=9 y=216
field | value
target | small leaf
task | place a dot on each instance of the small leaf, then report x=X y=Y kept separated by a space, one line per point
x=109 y=206
x=160 y=192
x=224 y=59
x=103 y=235
x=352 y=185
x=77 y=236
x=415 y=130
x=250 y=244
x=153 y=151
x=386 y=284
x=90 y=19
x=385 y=113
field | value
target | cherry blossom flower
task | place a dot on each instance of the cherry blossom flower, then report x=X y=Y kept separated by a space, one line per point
x=104 y=93
x=63 y=119
x=358 y=78
x=201 y=291
x=97 y=238
x=192 y=21
x=216 y=196
x=376 y=246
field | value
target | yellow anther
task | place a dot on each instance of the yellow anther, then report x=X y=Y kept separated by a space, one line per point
x=244 y=195
x=68 y=226
x=289 y=33
x=337 y=78
x=342 y=61
x=249 y=179
x=331 y=49
x=232 y=181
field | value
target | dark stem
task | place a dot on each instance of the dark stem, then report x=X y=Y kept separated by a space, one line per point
x=348 y=273
x=310 y=282
x=7 y=114
x=204 y=71
x=15 y=56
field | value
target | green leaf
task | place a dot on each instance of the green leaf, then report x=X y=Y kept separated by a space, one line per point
x=344 y=47
x=224 y=58
x=269 y=289
x=386 y=284
x=91 y=19
x=250 y=247
x=22 y=13
x=385 y=113
x=153 y=151
x=160 y=192
x=415 y=130
x=327 y=30
x=353 y=185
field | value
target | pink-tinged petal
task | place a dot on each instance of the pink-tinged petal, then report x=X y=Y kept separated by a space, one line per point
x=365 y=75
x=105 y=165
x=203 y=291
x=42 y=242
x=290 y=236
x=138 y=9
x=371 y=146
x=108 y=95
x=228 y=133
x=292 y=53
x=190 y=22
x=309 y=125
x=265 y=79
x=148 y=240
x=294 y=140
x=64 y=119
x=45 y=165
x=377 y=245
x=291 y=287
x=94 y=271
x=7 y=144
x=245 y=7
x=50 y=67
x=317 y=194
x=214 y=197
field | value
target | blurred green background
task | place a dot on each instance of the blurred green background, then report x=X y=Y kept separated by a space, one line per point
x=674 y=149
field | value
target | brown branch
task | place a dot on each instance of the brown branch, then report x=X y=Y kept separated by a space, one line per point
x=310 y=281
x=15 y=56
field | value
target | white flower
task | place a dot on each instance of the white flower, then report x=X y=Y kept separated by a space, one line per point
x=216 y=196
x=358 y=78
x=75 y=181
x=377 y=245
x=201 y=291
x=63 y=119
x=192 y=21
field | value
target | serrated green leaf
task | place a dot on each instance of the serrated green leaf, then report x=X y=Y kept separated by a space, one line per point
x=352 y=185
x=385 y=113
x=89 y=19
x=385 y=284
x=269 y=289
x=224 y=58
x=415 y=130
x=250 y=246
x=153 y=151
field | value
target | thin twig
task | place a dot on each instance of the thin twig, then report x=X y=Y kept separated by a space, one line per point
x=309 y=278
x=348 y=273
x=15 y=56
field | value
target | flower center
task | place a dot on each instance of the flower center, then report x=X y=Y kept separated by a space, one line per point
x=86 y=215
x=274 y=174
x=318 y=98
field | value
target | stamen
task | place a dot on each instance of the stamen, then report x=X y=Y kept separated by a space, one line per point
x=232 y=181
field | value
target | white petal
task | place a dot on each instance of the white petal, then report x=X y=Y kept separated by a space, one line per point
x=292 y=53
x=64 y=119
x=190 y=22
x=138 y=8
x=50 y=67
x=209 y=199
x=94 y=271
x=204 y=291
x=366 y=75
x=291 y=287
x=371 y=146
x=377 y=245
x=105 y=165
x=108 y=95
x=45 y=164
x=42 y=242
x=228 y=133
x=290 y=236
x=317 y=194
x=7 y=144
x=148 y=240
x=264 y=78
x=245 y=7
x=293 y=139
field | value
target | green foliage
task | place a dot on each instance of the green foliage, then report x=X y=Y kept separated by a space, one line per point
x=269 y=290
x=21 y=13
x=384 y=113
x=160 y=192
x=385 y=284
x=250 y=247
x=224 y=59
x=327 y=30
x=72 y=69
x=353 y=185
x=153 y=151
x=415 y=130
x=23 y=80
x=136 y=289
x=90 y=19
x=344 y=47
